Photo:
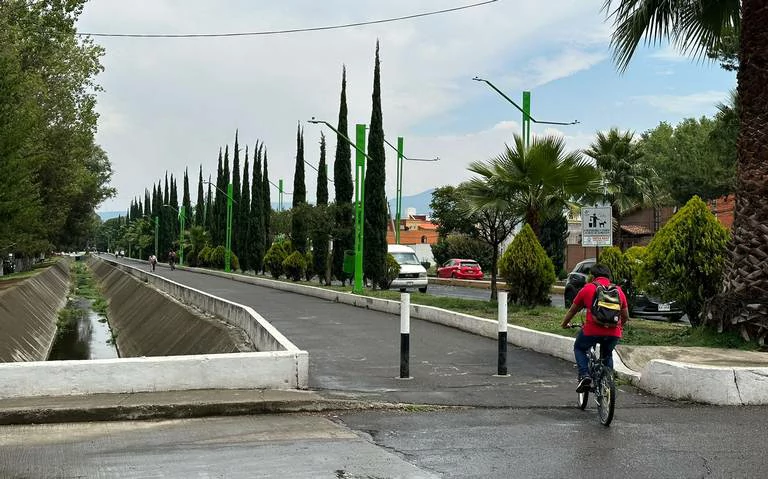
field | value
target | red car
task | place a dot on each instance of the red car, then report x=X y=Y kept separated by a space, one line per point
x=460 y=269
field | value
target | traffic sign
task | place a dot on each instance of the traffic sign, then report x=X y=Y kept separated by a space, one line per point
x=596 y=226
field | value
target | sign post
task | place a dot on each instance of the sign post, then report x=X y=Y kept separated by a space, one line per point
x=596 y=227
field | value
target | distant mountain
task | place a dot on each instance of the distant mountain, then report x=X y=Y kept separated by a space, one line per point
x=419 y=202
x=108 y=215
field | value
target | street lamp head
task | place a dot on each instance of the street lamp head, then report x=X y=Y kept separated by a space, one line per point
x=476 y=78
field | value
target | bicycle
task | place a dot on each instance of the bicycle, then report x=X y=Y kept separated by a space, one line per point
x=603 y=386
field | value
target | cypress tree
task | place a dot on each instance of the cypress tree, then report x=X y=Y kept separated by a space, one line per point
x=209 y=209
x=244 y=219
x=344 y=235
x=298 y=218
x=186 y=202
x=219 y=205
x=266 y=207
x=173 y=215
x=200 y=205
x=147 y=202
x=375 y=231
x=257 y=235
x=321 y=229
x=236 y=198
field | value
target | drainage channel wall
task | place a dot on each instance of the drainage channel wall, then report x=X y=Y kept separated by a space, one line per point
x=28 y=315
x=146 y=322
x=277 y=364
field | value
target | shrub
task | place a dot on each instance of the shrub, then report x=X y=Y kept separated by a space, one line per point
x=295 y=265
x=390 y=272
x=273 y=260
x=684 y=262
x=527 y=269
x=614 y=259
x=204 y=256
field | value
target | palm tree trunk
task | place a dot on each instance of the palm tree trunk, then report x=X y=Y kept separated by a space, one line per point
x=743 y=304
x=495 y=263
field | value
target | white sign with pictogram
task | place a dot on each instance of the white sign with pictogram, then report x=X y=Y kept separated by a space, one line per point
x=596 y=226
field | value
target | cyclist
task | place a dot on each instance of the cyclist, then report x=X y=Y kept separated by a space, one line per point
x=593 y=333
x=172 y=259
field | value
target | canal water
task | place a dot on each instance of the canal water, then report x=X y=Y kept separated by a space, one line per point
x=90 y=339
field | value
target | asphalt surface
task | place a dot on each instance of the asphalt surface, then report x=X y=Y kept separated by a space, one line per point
x=464 y=422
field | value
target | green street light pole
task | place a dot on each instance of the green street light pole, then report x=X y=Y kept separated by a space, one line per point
x=360 y=157
x=526 y=111
x=399 y=193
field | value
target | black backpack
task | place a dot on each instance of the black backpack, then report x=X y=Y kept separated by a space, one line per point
x=606 y=305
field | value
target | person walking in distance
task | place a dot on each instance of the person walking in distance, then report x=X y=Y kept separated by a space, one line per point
x=152 y=262
x=172 y=259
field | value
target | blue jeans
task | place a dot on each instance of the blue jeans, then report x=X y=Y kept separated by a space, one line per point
x=582 y=345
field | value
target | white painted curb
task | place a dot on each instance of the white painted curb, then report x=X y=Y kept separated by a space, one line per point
x=725 y=386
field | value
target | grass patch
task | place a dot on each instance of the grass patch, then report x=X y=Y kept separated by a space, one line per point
x=85 y=286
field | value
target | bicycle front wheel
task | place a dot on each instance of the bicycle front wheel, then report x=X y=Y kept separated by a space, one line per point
x=606 y=394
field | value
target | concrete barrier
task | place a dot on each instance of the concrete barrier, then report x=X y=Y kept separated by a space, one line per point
x=725 y=386
x=273 y=370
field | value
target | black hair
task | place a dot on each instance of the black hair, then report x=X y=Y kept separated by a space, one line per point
x=600 y=270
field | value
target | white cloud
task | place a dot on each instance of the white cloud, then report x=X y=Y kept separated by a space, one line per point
x=670 y=53
x=684 y=105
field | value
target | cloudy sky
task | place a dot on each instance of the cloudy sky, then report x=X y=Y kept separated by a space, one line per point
x=169 y=104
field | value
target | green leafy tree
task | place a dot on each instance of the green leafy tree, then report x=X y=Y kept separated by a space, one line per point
x=448 y=215
x=343 y=234
x=375 y=230
x=527 y=269
x=693 y=26
x=299 y=220
x=684 y=262
x=691 y=166
x=391 y=272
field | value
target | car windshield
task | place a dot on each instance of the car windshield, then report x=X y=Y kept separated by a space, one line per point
x=470 y=264
x=406 y=258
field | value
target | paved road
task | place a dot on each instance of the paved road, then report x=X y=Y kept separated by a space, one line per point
x=522 y=426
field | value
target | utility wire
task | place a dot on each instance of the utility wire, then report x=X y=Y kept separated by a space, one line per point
x=284 y=31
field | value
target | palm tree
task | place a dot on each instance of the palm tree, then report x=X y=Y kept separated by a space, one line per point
x=627 y=183
x=695 y=26
x=528 y=184
x=533 y=183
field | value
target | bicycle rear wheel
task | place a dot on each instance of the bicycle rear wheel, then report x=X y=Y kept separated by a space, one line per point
x=606 y=394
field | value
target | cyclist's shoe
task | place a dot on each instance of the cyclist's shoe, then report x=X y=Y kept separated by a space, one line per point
x=584 y=384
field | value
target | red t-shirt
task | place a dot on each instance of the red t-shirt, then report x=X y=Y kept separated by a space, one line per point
x=584 y=299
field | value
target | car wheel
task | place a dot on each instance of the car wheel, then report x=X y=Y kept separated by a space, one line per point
x=423 y=290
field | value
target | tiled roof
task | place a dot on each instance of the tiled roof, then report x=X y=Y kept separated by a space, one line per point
x=638 y=230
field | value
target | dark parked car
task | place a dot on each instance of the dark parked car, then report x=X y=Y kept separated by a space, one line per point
x=641 y=305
